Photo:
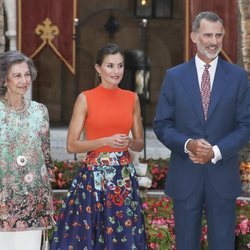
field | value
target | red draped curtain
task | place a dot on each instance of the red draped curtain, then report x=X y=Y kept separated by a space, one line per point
x=227 y=10
x=47 y=23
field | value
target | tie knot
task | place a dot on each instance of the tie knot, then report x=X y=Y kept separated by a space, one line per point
x=207 y=66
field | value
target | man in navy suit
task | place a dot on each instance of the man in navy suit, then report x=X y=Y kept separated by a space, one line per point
x=203 y=170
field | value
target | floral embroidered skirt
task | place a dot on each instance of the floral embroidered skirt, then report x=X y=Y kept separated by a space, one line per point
x=102 y=210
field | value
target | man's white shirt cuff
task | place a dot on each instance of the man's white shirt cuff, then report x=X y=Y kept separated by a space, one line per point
x=185 y=146
x=217 y=154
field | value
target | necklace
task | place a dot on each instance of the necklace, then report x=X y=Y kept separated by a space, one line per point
x=19 y=108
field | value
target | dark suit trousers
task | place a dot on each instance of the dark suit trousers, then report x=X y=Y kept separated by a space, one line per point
x=220 y=214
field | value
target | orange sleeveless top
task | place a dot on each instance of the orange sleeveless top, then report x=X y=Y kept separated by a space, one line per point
x=110 y=111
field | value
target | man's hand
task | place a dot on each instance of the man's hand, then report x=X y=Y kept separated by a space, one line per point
x=202 y=160
x=200 y=151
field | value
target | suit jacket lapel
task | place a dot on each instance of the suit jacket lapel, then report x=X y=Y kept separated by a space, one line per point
x=219 y=86
x=191 y=84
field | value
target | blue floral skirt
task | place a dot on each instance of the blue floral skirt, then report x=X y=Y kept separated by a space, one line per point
x=102 y=210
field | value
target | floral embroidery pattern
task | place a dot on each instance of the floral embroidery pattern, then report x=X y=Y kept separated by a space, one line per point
x=25 y=190
x=102 y=209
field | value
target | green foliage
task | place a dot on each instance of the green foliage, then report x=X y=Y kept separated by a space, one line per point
x=158 y=214
x=158 y=211
x=65 y=171
x=158 y=168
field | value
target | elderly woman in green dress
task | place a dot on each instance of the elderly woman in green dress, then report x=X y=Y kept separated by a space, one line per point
x=25 y=163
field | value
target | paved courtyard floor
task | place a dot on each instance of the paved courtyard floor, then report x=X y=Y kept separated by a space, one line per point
x=154 y=148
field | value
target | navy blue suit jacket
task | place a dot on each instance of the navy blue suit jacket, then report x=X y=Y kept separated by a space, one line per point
x=179 y=117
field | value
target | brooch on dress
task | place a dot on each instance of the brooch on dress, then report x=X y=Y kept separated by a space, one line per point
x=21 y=160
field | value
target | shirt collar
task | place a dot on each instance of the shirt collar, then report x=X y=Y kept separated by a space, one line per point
x=200 y=64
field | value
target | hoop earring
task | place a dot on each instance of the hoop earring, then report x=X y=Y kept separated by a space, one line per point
x=99 y=74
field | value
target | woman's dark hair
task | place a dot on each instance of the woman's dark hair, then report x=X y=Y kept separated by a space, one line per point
x=105 y=50
x=9 y=58
x=108 y=49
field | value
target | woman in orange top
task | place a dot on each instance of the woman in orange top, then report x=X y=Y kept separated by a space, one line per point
x=103 y=208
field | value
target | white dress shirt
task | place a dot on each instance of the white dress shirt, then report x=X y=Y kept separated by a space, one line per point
x=200 y=69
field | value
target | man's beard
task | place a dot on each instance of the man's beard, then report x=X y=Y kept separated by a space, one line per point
x=205 y=52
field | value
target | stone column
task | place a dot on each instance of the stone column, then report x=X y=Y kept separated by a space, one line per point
x=244 y=36
x=244 y=51
x=2 y=37
x=10 y=8
x=244 y=59
x=11 y=33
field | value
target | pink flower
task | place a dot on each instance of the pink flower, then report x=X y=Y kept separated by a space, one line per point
x=244 y=226
x=21 y=225
x=29 y=177
x=154 y=245
x=6 y=226
x=145 y=205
